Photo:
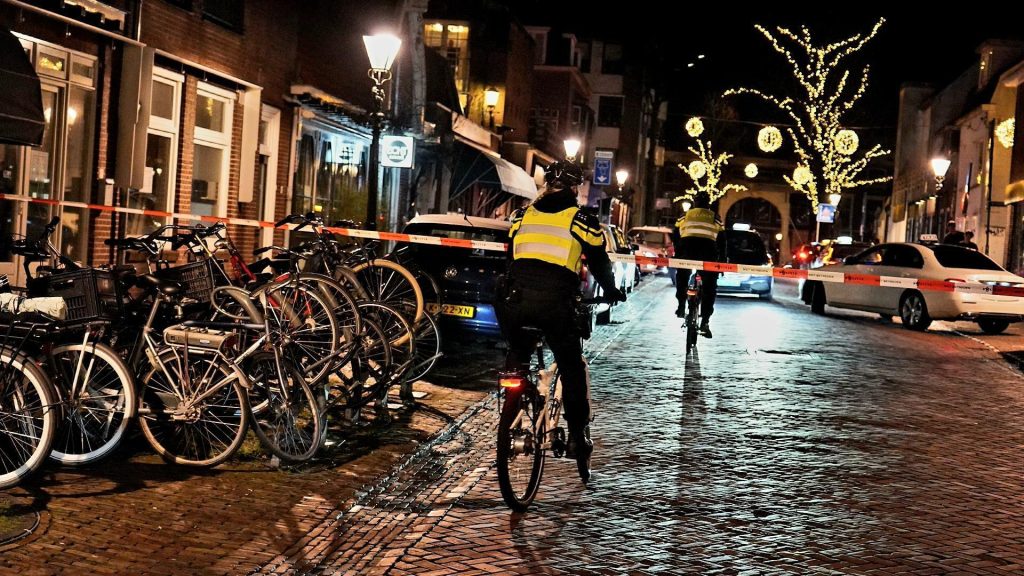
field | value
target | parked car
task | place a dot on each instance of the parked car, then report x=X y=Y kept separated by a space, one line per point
x=828 y=252
x=626 y=273
x=467 y=276
x=744 y=247
x=652 y=241
x=918 y=308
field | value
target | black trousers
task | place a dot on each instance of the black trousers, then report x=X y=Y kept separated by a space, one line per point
x=697 y=249
x=552 y=312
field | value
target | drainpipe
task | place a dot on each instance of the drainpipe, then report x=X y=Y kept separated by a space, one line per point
x=988 y=183
x=137 y=20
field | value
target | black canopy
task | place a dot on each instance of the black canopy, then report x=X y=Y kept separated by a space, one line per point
x=21 y=100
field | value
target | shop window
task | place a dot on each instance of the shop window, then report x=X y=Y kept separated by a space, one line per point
x=211 y=150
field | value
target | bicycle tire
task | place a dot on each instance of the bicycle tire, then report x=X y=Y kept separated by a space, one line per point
x=93 y=424
x=519 y=406
x=179 y=441
x=428 y=348
x=291 y=424
x=388 y=282
x=431 y=292
x=691 y=321
x=28 y=418
x=307 y=318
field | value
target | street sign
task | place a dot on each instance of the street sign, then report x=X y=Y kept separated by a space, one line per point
x=396 y=151
x=826 y=213
x=602 y=171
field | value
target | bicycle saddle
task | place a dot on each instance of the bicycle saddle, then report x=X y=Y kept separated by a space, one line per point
x=166 y=287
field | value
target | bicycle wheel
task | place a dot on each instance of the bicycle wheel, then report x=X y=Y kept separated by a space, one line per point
x=368 y=375
x=397 y=328
x=306 y=317
x=520 y=452
x=431 y=292
x=692 y=317
x=345 y=312
x=286 y=416
x=194 y=414
x=428 y=348
x=391 y=283
x=95 y=419
x=28 y=418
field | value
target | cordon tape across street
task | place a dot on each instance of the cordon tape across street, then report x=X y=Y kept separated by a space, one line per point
x=792 y=273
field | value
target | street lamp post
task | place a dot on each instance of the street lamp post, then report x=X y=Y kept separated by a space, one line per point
x=381 y=50
x=940 y=166
x=490 y=101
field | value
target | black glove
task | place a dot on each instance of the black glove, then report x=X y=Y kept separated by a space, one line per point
x=615 y=295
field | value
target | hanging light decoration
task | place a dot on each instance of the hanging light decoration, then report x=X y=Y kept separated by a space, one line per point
x=694 y=127
x=846 y=141
x=750 y=170
x=769 y=139
x=697 y=169
x=1005 y=131
x=802 y=174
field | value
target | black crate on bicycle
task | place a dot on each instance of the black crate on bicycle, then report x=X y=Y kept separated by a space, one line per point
x=89 y=294
x=196 y=276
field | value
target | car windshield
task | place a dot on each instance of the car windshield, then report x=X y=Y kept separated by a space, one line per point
x=840 y=251
x=483 y=234
x=652 y=237
x=957 y=257
x=745 y=248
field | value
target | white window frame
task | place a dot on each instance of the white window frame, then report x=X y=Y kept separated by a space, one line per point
x=269 y=147
x=169 y=128
x=219 y=140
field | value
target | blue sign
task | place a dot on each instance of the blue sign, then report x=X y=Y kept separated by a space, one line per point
x=602 y=171
x=826 y=213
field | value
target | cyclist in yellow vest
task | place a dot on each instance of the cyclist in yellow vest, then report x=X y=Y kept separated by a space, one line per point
x=549 y=240
x=695 y=236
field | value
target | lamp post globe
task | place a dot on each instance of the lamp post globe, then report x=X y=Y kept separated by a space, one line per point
x=381 y=49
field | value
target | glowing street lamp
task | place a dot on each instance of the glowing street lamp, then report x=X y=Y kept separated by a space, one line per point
x=572 y=148
x=620 y=178
x=834 y=198
x=939 y=168
x=381 y=49
x=490 y=101
x=687 y=205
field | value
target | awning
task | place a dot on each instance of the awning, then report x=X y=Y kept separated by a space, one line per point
x=21 y=100
x=473 y=166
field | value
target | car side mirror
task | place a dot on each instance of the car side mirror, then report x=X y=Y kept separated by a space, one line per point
x=635 y=247
x=850 y=260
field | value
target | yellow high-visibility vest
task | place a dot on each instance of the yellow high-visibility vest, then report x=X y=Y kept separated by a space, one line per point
x=698 y=223
x=548 y=237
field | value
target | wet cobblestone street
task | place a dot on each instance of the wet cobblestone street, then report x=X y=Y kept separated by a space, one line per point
x=791 y=443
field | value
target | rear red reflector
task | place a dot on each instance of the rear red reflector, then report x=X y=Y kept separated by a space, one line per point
x=511 y=382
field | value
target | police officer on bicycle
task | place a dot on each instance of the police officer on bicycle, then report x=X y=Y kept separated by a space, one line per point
x=548 y=239
x=695 y=236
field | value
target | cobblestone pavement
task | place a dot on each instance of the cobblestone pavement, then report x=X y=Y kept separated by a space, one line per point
x=791 y=444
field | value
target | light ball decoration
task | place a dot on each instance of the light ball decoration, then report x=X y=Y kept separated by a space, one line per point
x=750 y=170
x=802 y=175
x=697 y=169
x=694 y=127
x=1005 y=131
x=846 y=141
x=769 y=139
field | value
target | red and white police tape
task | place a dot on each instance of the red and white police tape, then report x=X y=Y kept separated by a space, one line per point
x=792 y=273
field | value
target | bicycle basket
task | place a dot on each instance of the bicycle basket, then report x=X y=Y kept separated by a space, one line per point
x=89 y=294
x=196 y=276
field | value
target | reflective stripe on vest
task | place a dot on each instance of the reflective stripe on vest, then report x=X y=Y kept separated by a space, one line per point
x=546 y=236
x=699 y=223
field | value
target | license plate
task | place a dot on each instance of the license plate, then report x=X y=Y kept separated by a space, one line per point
x=452 y=310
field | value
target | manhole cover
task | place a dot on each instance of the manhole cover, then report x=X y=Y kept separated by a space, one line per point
x=17 y=520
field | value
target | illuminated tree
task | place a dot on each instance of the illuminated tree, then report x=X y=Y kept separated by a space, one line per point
x=706 y=173
x=826 y=149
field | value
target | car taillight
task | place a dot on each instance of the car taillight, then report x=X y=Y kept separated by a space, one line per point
x=511 y=381
x=802 y=255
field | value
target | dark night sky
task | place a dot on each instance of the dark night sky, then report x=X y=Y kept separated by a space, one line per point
x=918 y=48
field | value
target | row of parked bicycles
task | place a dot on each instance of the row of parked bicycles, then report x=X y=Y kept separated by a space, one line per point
x=200 y=353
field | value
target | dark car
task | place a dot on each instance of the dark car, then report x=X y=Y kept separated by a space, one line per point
x=467 y=276
x=744 y=247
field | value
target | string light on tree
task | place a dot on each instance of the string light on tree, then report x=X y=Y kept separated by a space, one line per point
x=827 y=94
x=769 y=139
x=706 y=173
x=694 y=127
x=1004 y=132
x=802 y=175
x=847 y=142
x=696 y=170
x=750 y=170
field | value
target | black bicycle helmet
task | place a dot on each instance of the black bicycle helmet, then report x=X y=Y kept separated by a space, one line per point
x=563 y=174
